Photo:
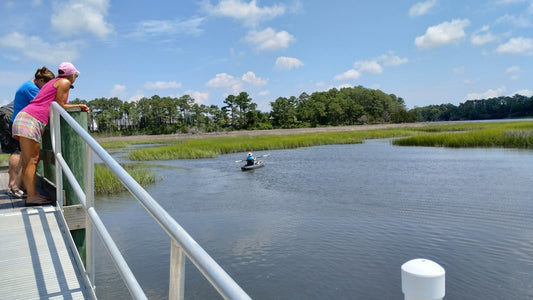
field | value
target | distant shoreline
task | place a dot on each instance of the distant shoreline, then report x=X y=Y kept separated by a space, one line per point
x=266 y=132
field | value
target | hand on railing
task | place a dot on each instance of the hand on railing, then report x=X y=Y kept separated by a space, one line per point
x=84 y=108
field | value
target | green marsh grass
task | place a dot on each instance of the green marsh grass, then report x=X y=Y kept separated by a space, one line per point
x=4 y=159
x=515 y=134
x=106 y=182
x=511 y=134
x=123 y=144
x=215 y=146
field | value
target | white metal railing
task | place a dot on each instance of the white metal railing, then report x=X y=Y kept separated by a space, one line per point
x=182 y=244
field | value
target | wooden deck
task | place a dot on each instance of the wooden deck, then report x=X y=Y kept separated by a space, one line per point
x=35 y=258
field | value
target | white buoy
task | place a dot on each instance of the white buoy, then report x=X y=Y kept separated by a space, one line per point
x=423 y=279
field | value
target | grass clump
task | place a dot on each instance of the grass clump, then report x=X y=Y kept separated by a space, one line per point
x=517 y=134
x=106 y=182
x=215 y=146
x=4 y=159
x=124 y=144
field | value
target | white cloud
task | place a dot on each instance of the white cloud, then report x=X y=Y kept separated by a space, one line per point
x=236 y=88
x=34 y=48
x=338 y=87
x=248 y=12
x=118 y=91
x=483 y=36
x=222 y=80
x=342 y=86
x=514 y=72
x=372 y=66
x=459 y=70
x=136 y=97
x=264 y=93
x=254 y=80
x=350 y=74
x=288 y=63
x=526 y=93
x=155 y=28
x=421 y=8
x=269 y=39
x=442 y=34
x=368 y=66
x=235 y=85
x=390 y=59
x=512 y=69
x=490 y=93
x=481 y=39
x=77 y=16
x=517 y=45
x=518 y=21
x=199 y=97
x=160 y=85
x=510 y=1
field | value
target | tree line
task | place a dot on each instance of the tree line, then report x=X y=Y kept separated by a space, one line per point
x=505 y=107
x=164 y=115
x=335 y=107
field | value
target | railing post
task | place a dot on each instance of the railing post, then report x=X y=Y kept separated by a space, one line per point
x=177 y=272
x=183 y=245
x=74 y=153
x=90 y=236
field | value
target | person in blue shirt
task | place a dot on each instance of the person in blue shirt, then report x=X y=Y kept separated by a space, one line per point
x=25 y=93
x=250 y=159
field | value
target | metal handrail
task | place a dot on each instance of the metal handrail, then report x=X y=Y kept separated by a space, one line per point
x=181 y=242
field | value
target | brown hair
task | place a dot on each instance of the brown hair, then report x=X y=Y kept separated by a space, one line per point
x=44 y=74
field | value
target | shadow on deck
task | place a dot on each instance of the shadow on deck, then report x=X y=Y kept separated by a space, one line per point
x=35 y=259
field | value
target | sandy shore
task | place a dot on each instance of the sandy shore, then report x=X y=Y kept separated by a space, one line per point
x=261 y=132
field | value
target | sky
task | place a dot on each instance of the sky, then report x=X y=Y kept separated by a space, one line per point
x=426 y=52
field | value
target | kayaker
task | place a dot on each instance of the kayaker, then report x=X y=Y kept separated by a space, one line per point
x=250 y=159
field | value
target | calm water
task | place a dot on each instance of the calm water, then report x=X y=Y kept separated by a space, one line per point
x=337 y=222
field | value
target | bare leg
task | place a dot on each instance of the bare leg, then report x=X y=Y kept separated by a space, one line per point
x=14 y=161
x=18 y=179
x=30 y=157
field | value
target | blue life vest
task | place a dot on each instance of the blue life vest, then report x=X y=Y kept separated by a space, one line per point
x=249 y=161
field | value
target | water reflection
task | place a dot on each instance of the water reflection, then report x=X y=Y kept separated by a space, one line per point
x=337 y=222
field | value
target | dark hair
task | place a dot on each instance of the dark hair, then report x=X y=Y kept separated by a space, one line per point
x=45 y=74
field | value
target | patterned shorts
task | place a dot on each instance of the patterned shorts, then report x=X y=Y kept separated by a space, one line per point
x=25 y=125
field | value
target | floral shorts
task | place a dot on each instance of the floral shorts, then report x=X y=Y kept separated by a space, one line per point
x=25 y=125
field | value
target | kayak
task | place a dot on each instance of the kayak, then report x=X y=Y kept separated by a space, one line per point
x=259 y=164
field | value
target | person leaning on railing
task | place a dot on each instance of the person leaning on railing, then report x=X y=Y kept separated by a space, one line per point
x=29 y=125
x=25 y=93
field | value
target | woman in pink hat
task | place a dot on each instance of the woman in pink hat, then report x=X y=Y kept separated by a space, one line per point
x=30 y=122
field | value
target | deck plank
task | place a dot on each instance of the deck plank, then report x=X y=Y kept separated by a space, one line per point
x=35 y=259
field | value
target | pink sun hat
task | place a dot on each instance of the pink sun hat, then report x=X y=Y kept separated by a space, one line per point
x=66 y=69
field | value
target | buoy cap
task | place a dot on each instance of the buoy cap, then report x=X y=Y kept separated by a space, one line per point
x=423 y=268
x=423 y=279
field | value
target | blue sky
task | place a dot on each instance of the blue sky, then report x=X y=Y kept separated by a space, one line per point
x=427 y=52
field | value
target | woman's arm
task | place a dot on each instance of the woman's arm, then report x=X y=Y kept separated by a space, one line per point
x=63 y=88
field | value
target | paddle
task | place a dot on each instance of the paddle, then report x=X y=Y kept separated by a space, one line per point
x=241 y=160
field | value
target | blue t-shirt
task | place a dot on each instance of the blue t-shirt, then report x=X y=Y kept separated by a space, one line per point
x=26 y=92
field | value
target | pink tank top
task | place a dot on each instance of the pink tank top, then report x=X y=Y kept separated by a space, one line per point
x=39 y=107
